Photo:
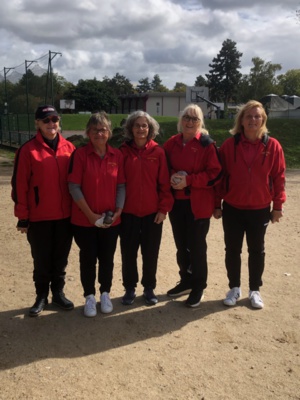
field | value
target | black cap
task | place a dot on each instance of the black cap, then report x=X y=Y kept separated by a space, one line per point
x=45 y=111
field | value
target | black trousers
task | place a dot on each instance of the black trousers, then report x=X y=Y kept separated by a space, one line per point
x=50 y=243
x=190 y=240
x=237 y=223
x=136 y=232
x=96 y=244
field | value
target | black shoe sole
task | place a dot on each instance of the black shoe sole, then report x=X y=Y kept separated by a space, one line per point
x=150 y=302
x=34 y=315
x=68 y=308
x=184 y=292
x=127 y=303
x=194 y=304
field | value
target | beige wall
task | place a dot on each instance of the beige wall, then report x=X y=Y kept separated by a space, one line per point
x=168 y=105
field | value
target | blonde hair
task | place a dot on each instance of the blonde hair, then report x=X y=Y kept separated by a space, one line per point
x=242 y=109
x=192 y=110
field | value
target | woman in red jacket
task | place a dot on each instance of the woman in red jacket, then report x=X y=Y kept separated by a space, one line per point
x=43 y=206
x=148 y=200
x=254 y=176
x=195 y=169
x=97 y=185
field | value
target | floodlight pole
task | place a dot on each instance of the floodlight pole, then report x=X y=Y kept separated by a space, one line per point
x=52 y=55
x=6 y=71
x=27 y=65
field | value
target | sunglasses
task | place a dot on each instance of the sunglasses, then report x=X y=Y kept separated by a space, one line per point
x=48 y=119
x=187 y=118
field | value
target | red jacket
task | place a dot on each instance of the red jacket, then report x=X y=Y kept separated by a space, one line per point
x=252 y=185
x=148 y=187
x=98 y=179
x=39 y=182
x=199 y=159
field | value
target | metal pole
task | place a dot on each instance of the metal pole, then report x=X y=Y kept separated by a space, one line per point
x=27 y=65
x=6 y=71
x=52 y=55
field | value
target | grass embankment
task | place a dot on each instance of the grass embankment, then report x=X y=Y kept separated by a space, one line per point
x=286 y=131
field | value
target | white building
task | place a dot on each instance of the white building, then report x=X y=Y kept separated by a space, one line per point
x=165 y=103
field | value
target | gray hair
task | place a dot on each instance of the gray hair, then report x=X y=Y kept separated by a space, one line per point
x=153 y=124
x=99 y=118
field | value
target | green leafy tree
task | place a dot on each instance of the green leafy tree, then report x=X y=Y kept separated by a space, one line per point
x=200 y=81
x=93 y=95
x=119 y=84
x=289 y=83
x=179 y=87
x=262 y=79
x=244 y=91
x=157 y=86
x=144 y=85
x=224 y=76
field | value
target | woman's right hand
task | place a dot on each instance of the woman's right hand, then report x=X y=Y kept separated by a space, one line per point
x=217 y=213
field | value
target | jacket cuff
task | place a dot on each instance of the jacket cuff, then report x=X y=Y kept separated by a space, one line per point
x=23 y=223
x=277 y=206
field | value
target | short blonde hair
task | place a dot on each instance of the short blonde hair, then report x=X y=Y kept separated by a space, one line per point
x=193 y=110
x=242 y=109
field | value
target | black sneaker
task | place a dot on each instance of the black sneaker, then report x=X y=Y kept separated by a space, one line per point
x=194 y=298
x=128 y=297
x=38 y=307
x=180 y=289
x=150 y=297
x=61 y=301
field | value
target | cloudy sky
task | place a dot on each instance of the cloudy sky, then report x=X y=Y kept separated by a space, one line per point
x=175 y=39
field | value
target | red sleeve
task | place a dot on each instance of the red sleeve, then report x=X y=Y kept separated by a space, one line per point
x=278 y=177
x=77 y=166
x=20 y=183
x=121 y=172
x=166 y=199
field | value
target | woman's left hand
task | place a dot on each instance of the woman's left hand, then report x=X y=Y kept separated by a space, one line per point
x=178 y=182
x=276 y=215
x=116 y=215
x=159 y=218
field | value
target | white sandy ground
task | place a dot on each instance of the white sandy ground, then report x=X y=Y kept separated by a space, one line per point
x=167 y=351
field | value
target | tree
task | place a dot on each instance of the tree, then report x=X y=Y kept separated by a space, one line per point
x=262 y=78
x=93 y=95
x=244 y=91
x=119 y=84
x=200 y=81
x=157 y=86
x=223 y=77
x=289 y=83
x=179 y=87
x=144 y=85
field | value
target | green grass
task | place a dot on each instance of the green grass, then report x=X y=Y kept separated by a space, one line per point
x=77 y=122
x=286 y=131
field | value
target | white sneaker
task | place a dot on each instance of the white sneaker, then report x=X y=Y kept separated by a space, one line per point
x=232 y=296
x=255 y=298
x=106 y=304
x=90 y=308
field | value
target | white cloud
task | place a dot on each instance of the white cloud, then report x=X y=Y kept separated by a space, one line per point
x=140 y=38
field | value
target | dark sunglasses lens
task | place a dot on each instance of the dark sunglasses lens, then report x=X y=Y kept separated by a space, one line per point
x=53 y=119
